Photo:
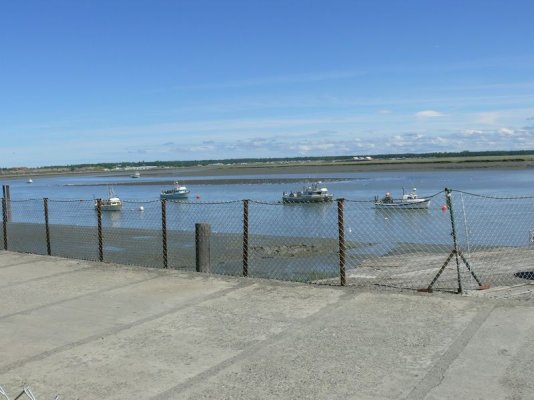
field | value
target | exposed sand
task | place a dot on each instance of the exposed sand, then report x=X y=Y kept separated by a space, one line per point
x=302 y=168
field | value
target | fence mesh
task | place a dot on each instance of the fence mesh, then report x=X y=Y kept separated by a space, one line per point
x=133 y=235
x=496 y=236
x=296 y=242
x=395 y=247
x=72 y=226
x=25 y=226
x=226 y=224
x=461 y=241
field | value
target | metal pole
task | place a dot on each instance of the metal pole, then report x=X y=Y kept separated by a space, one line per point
x=4 y=220
x=99 y=226
x=245 y=237
x=341 y=234
x=47 y=228
x=453 y=233
x=7 y=195
x=164 y=231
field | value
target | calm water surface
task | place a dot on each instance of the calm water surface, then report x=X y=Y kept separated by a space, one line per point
x=71 y=202
x=354 y=185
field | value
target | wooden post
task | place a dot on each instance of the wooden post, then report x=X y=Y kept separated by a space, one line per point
x=47 y=228
x=245 y=237
x=202 y=239
x=341 y=234
x=99 y=227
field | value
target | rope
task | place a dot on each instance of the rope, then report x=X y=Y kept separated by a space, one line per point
x=485 y=196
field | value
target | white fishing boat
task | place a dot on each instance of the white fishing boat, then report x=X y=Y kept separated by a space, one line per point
x=410 y=201
x=112 y=203
x=29 y=180
x=309 y=194
x=176 y=193
x=136 y=175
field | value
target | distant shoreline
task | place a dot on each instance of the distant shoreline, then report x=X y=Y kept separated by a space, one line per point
x=297 y=168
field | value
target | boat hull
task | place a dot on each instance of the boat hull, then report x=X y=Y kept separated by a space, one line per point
x=109 y=207
x=113 y=207
x=420 y=204
x=306 y=200
x=174 y=196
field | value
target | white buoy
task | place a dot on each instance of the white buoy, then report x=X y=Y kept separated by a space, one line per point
x=141 y=208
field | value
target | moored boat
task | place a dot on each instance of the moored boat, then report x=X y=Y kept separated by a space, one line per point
x=176 y=193
x=112 y=203
x=410 y=201
x=309 y=194
x=136 y=175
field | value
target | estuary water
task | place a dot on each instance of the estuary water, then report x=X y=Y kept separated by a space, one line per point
x=349 y=185
x=71 y=203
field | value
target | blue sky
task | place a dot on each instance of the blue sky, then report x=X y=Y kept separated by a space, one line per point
x=131 y=80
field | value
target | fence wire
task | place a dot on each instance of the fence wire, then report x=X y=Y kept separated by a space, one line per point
x=25 y=227
x=133 y=235
x=392 y=247
x=72 y=227
x=496 y=236
x=225 y=220
x=296 y=242
x=462 y=241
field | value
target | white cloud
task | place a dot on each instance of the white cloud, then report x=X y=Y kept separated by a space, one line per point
x=428 y=114
x=472 y=132
x=506 y=132
x=487 y=118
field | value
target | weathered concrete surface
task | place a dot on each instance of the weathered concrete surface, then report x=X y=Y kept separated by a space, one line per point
x=92 y=331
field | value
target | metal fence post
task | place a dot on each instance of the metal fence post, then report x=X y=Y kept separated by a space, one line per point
x=99 y=227
x=245 y=237
x=341 y=236
x=6 y=192
x=448 y=197
x=164 y=231
x=4 y=220
x=47 y=228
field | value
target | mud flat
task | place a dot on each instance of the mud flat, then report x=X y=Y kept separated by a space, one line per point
x=279 y=257
x=305 y=259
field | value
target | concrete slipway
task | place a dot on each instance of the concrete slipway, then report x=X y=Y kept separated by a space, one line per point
x=99 y=331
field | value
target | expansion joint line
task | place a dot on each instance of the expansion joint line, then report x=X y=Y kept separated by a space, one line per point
x=434 y=377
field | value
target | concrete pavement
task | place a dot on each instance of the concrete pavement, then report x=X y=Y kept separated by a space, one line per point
x=86 y=330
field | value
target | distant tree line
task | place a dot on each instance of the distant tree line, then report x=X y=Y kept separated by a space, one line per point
x=235 y=161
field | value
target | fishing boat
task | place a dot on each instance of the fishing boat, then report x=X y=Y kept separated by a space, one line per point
x=176 y=193
x=309 y=194
x=112 y=203
x=136 y=175
x=29 y=180
x=409 y=201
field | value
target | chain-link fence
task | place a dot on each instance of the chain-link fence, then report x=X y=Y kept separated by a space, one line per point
x=453 y=241
x=25 y=393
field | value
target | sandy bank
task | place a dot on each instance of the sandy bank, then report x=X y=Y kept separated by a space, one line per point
x=303 y=168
